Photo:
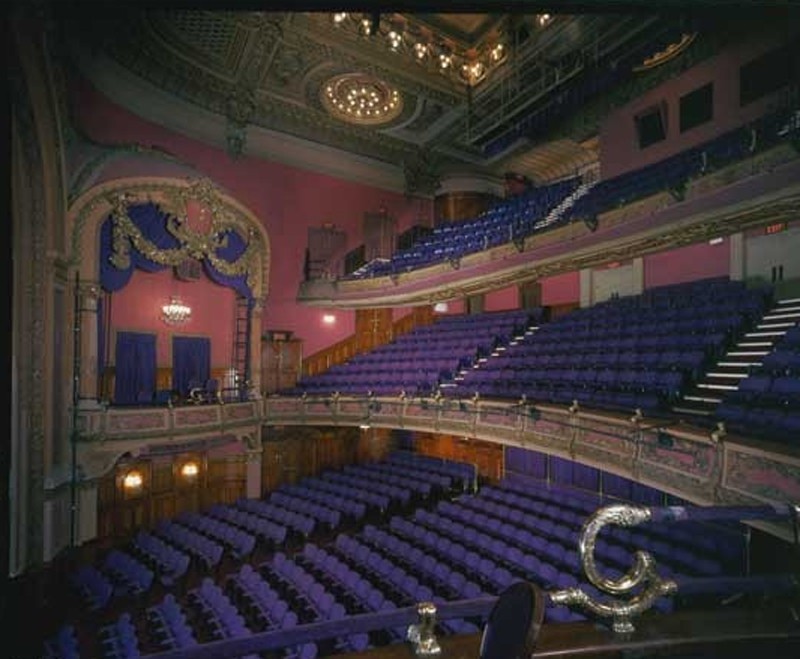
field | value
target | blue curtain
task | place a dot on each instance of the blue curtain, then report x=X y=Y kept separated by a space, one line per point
x=232 y=251
x=522 y=461
x=585 y=477
x=561 y=470
x=616 y=486
x=153 y=225
x=135 y=372
x=152 y=222
x=191 y=362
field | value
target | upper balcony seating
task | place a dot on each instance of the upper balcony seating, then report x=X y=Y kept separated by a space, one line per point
x=514 y=219
x=639 y=351
x=417 y=362
x=507 y=221
x=767 y=402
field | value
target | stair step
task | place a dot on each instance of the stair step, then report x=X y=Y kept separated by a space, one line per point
x=691 y=410
x=764 y=326
x=737 y=364
x=703 y=399
x=754 y=344
x=782 y=315
x=792 y=300
x=717 y=387
x=736 y=376
x=775 y=333
x=747 y=353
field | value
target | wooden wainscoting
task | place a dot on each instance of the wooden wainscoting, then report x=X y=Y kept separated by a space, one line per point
x=488 y=456
x=165 y=490
x=293 y=453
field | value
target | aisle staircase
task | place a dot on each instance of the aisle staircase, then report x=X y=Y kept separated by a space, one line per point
x=702 y=399
x=557 y=212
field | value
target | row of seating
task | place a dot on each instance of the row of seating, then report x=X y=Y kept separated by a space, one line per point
x=516 y=218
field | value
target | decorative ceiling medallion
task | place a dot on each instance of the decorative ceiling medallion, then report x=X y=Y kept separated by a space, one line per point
x=362 y=99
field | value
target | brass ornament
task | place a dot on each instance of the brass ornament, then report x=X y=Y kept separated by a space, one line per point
x=194 y=245
x=642 y=573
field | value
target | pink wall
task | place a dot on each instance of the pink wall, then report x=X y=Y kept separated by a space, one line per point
x=502 y=299
x=561 y=289
x=619 y=148
x=137 y=307
x=287 y=200
x=687 y=264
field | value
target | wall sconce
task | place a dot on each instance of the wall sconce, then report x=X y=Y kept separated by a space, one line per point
x=190 y=470
x=328 y=319
x=133 y=480
x=176 y=312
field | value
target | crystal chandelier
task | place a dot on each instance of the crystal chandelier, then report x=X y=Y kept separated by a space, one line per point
x=176 y=312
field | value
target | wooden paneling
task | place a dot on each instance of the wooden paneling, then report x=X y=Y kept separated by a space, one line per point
x=294 y=453
x=373 y=328
x=486 y=455
x=456 y=206
x=165 y=492
x=281 y=363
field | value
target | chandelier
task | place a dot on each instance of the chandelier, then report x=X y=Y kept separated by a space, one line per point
x=466 y=67
x=176 y=312
x=362 y=99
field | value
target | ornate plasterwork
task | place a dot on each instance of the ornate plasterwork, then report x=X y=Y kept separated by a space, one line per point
x=361 y=99
x=172 y=195
x=194 y=245
x=30 y=222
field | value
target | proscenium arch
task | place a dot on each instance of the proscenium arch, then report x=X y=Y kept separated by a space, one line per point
x=88 y=212
x=85 y=218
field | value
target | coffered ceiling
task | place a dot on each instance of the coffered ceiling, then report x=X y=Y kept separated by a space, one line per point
x=379 y=98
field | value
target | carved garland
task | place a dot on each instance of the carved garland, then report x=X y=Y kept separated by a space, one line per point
x=173 y=200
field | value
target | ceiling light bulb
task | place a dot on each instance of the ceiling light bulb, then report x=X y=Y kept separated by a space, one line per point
x=420 y=50
x=339 y=17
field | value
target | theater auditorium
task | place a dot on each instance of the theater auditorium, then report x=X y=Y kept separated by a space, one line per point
x=403 y=333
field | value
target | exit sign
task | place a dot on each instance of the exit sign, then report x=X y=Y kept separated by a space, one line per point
x=775 y=228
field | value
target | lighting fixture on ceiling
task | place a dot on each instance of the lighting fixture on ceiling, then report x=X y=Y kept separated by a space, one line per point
x=176 y=312
x=465 y=67
x=361 y=99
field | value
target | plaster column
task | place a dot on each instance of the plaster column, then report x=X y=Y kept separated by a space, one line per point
x=637 y=276
x=255 y=349
x=89 y=294
x=87 y=512
x=737 y=260
x=253 y=473
x=586 y=287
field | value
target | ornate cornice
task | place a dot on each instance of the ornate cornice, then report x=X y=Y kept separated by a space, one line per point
x=172 y=195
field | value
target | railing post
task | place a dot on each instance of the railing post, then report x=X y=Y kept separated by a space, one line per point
x=423 y=634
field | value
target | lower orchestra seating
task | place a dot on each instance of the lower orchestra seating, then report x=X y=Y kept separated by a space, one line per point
x=413 y=533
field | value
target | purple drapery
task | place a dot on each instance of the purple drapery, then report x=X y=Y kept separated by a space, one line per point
x=191 y=362
x=522 y=461
x=135 y=368
x=152 y=222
